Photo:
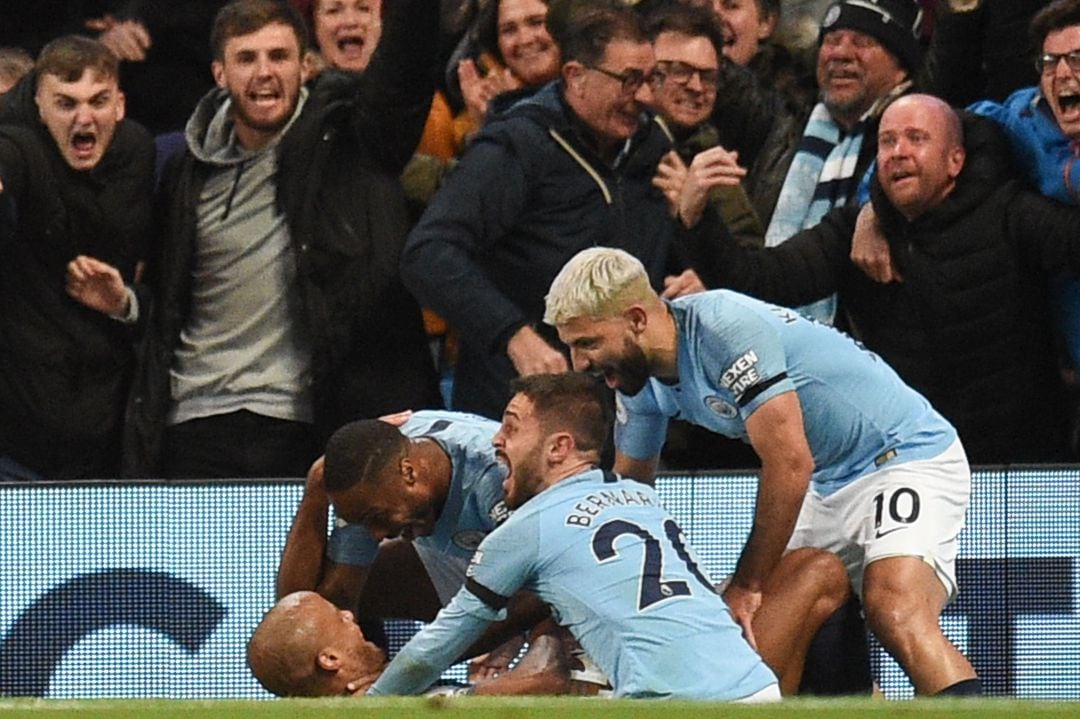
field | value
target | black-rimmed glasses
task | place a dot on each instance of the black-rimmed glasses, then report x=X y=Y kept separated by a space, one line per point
x=630 y=80
x=681 y=73
x=1048 y=61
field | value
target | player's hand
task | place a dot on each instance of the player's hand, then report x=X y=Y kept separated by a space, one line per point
x=531 y=354
x=127 y=39
x=358 y=687
x=744 y=604
x=870 y=250
x=497 y=661
x=681 y=285
x=97 y=285
x=397 y=418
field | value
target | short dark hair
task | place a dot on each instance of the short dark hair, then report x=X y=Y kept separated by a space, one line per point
x=583 y=28
x=571 y=401
x=69 y=56
x=1055 y=16
x=360 y=452
x=243 y=17
x=487 y=29
x=688 y=20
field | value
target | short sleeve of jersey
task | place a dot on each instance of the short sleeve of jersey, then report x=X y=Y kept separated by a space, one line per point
x=640 y=425
x=740 y=348
x=351 y=544
x=505 y=561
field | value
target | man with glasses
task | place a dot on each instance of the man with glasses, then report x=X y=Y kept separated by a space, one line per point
x=569 y=168
x=688 y=45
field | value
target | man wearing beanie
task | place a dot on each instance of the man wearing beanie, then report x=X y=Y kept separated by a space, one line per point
x=868 y=53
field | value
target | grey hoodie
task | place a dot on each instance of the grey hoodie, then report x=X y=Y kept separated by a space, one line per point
x=243 y=346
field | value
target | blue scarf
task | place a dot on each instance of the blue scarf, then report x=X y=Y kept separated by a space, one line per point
x=821 y=177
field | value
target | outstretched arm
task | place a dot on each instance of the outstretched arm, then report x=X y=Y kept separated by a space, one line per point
x=437 y=646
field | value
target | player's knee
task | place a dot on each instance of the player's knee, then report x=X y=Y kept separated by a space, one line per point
x=831 y=585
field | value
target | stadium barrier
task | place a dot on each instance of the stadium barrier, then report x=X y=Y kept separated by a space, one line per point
x=150 y=589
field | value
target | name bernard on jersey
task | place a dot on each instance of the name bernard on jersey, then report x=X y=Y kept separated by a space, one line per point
x=593 y=504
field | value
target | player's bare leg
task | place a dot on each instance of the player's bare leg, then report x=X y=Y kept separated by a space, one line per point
x=903 y=599
x=804 y=590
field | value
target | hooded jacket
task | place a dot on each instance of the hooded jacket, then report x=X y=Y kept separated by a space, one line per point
x=529 y=194
x=64 y=369
x=969 y=326
x=336 y=185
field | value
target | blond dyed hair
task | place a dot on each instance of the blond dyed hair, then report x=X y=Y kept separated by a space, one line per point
x=597 y=283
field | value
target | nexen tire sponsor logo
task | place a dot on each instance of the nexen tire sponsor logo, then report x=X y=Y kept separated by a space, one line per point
x=741 y=374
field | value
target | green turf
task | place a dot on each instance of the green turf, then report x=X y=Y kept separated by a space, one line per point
x=540 y=708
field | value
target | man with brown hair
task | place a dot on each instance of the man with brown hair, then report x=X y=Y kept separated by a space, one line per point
x=279 y=314
x=76 y=181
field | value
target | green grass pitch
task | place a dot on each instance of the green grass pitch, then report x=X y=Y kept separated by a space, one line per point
x=535 y=707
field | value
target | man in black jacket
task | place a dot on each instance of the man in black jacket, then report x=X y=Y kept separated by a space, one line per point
x=278 y=312
x=76 y=181
x=568 y=168
x=968 y=327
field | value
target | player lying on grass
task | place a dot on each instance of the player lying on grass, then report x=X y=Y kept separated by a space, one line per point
x=305 y=646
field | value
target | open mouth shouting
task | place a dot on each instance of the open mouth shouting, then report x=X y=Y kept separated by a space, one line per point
x=84 y=145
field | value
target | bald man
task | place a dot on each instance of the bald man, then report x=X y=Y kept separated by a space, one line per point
x=967 y=327
x=307 y=647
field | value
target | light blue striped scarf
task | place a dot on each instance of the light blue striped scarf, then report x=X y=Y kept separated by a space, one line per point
x=821 y=177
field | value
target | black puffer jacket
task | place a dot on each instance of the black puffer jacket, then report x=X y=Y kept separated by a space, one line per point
x=968 y=327
x=64 y=369
x=337 y=186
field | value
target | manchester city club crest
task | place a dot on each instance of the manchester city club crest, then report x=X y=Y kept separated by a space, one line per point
x=721 y=407
x=469 y=539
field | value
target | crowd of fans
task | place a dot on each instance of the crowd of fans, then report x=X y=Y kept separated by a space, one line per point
x=230 y=228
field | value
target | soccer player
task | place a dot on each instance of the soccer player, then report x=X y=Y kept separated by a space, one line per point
x=884 y=476
x=305 y=646
x=432 y=486
x=602 y=551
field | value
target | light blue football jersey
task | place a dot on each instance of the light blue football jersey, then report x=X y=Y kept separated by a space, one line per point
x=617 y=572
x=474 y=505
x=735 y=353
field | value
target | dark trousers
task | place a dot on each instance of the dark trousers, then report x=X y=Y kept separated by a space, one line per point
x=238 y=444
